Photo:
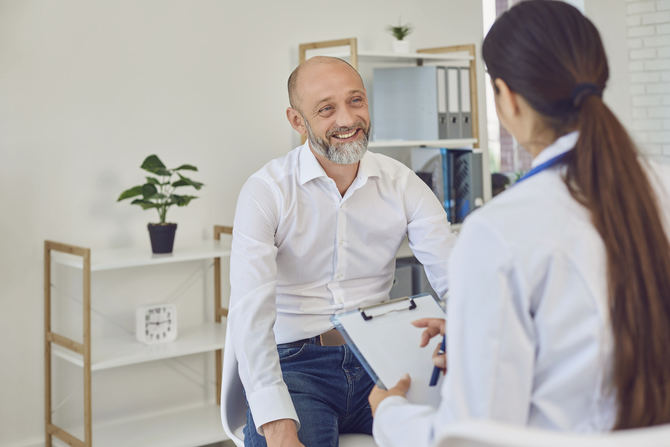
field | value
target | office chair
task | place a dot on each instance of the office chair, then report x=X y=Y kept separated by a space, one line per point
x=234 y=411
x=495 y=434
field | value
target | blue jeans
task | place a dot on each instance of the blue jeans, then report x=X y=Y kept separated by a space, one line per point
x=329 y=389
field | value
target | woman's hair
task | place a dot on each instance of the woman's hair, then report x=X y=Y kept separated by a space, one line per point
x=551 y=55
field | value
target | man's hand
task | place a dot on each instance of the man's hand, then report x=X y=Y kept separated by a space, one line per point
x=377 y=395
x=281 y=433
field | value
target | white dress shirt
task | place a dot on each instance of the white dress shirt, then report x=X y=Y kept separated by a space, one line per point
x=529 y=340
x=301 y=252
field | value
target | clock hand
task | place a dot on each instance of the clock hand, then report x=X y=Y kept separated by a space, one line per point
x=159 y=322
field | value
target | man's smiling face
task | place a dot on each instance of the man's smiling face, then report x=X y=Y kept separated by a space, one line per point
x=333 y=103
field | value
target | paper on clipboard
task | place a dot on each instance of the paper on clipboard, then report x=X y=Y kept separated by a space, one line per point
x=387 y=345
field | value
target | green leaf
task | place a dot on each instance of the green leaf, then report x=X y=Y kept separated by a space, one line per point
x=182 y=200
x=131 y=192
x=149 y=190
x=186 y=167
x=185 y=181
x=152 y=163
x=145 y=204
x=153 y=180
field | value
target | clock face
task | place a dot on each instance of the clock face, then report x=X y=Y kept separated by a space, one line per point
x=156 y=324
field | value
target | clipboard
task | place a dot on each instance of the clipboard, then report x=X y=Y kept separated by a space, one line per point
x=387 y=345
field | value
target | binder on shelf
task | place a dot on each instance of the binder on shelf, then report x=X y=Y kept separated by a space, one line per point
x=468 y=189
x=453 y=103
x=465 y=106
x=442 y=102
x=410 y=103
x=387 y=345
x=448 y=178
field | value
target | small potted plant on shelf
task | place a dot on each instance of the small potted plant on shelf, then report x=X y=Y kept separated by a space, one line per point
x=158 y=193
x=399 y=33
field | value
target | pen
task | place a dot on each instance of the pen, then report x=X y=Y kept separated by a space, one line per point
x=436 y=370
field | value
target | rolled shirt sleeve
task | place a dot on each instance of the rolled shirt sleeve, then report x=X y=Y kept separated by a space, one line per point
x=429 y=232
x=253 y=278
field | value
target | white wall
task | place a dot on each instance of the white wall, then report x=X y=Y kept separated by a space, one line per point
x=89 y=88
x=636 y=35
x=610 y=19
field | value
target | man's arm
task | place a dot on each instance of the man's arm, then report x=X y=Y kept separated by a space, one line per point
x=428 y=231
x=253 y=277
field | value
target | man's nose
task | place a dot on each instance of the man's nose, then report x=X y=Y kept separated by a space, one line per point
x=345 y=117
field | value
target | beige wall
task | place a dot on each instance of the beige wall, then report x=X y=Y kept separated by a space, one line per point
x=89 y=88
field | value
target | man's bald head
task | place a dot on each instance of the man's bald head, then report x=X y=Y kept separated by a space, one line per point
x=293 y=86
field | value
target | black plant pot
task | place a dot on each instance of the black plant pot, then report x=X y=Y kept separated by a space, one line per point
x=162 y=237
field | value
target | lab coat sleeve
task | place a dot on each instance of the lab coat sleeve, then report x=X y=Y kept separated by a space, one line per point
x=490 y=346
x=253 y=279
x=429 y=232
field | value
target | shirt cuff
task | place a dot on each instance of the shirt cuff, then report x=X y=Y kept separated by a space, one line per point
x=270 y=404
x=389 y=402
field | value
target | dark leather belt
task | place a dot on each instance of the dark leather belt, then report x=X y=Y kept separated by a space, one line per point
x=329 y=338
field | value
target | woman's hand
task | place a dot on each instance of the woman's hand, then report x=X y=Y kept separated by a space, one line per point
x=377 y=395
x=434 y=326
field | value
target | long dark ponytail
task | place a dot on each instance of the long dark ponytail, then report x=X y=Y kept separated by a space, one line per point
x=552 y=55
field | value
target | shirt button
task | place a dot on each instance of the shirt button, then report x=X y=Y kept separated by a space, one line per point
x=339 y=276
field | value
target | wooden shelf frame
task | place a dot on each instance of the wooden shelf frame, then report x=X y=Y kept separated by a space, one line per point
x=471 y=50
x=219 y=310
x=84 y=349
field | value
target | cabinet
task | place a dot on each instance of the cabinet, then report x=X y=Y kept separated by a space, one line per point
x=188 y=426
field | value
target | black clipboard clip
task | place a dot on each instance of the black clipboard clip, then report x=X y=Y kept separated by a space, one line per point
x=412 y=306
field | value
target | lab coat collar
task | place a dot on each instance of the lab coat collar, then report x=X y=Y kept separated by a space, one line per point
x=561 y=145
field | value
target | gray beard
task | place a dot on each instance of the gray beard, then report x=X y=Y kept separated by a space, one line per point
x=341 y=154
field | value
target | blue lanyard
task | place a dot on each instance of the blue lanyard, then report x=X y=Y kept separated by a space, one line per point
x=546 y=165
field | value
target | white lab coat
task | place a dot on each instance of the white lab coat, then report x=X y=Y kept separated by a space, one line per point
x=528 y=333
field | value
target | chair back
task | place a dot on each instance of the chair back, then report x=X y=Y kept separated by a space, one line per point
x=233 y=402
x=495 y=434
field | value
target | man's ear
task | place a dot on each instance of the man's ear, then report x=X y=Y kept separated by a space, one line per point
x=295 y=119
x=506 y=99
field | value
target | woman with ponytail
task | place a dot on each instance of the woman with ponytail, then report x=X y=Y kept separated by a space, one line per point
x=559 y=306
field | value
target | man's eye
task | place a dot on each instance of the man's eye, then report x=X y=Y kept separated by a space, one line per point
x=326 y=109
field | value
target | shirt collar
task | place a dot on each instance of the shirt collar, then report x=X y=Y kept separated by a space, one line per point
x=310 y=168
x=561 y=145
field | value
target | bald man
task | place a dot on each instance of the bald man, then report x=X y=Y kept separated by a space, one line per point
x=316 y=232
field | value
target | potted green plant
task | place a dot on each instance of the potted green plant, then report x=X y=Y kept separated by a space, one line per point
x=399 y=33
x=159 y=193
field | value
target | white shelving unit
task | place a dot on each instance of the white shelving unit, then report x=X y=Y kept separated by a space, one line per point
x=183 y=427
x=454 y=144
x=113 y=352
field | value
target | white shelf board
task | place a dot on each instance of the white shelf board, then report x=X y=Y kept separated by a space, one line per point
x=404 y=57
x=188 y=427
x=116 y=258
x=454 y=143
x=112 y=352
